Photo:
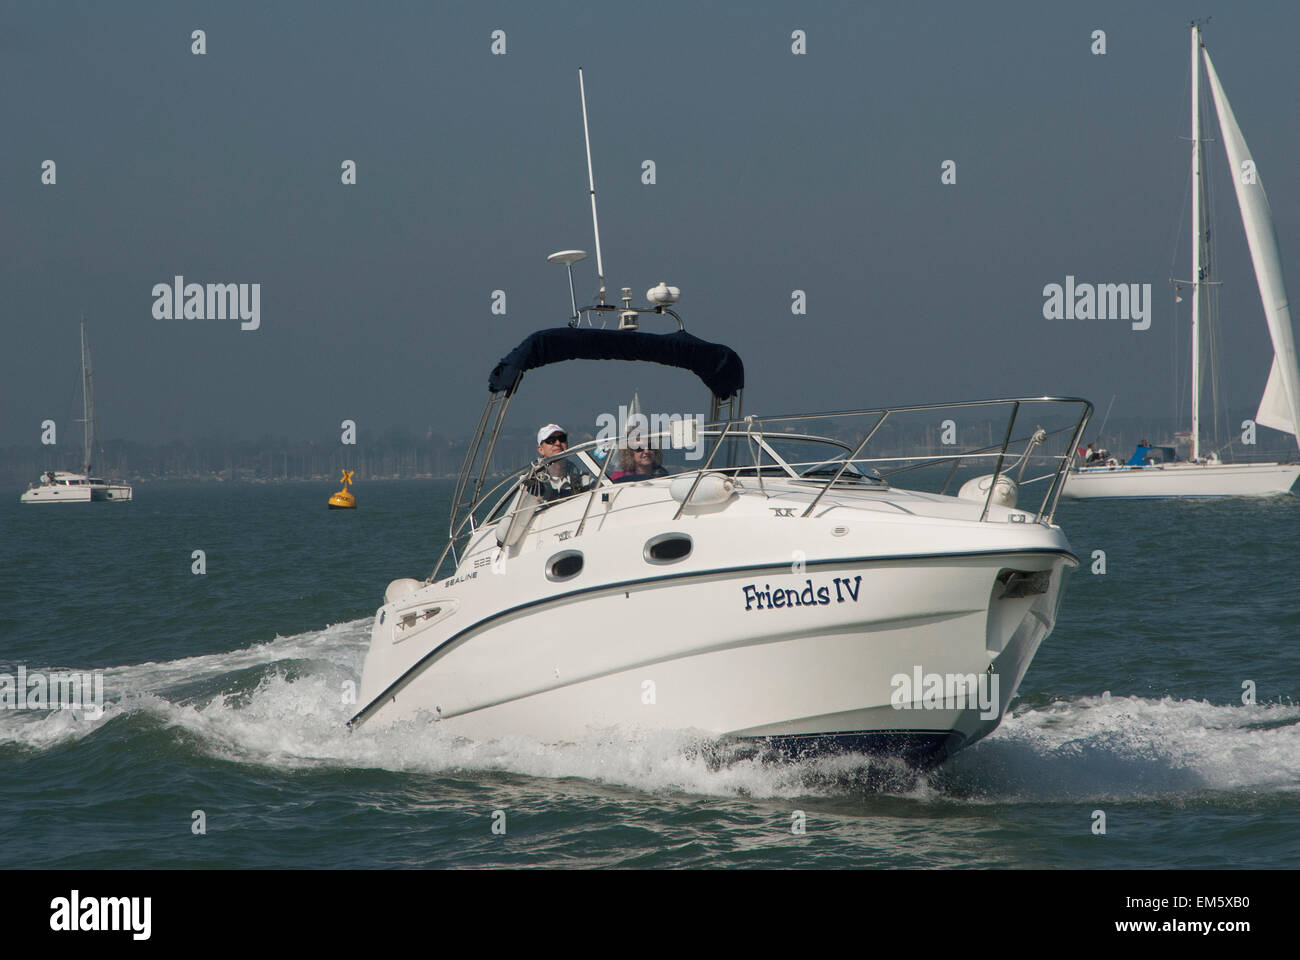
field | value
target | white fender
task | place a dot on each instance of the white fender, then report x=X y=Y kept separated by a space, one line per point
x=978 y=489
x=713 y=488
x=509 y=535
x=400 y=589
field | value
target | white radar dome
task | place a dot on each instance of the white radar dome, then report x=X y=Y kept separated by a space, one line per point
x=663 y=295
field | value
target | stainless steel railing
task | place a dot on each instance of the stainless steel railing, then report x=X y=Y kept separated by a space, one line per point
x=763 y=429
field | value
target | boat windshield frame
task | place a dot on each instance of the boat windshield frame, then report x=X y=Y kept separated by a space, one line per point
x=852 y=469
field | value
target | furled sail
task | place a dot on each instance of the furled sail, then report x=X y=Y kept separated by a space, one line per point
x=1280 y=406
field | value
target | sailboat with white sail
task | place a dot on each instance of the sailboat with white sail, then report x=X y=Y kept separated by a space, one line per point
x=1279 y=409
x=60 y=486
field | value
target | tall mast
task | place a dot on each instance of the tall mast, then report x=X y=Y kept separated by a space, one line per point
x=87 y=402
x=1196 y=244
x=591 y=182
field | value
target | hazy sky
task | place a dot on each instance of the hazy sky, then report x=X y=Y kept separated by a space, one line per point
x=774 y=172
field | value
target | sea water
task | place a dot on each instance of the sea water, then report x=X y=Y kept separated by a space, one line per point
x=1167 y=699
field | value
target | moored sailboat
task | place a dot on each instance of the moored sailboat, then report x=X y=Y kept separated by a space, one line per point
x=61 y=486
x=1279 y=409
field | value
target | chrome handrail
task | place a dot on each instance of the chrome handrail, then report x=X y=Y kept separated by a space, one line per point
x=844 y=466
x=734 y=427
x=1002 y=455
x=700 y=475
x=595 y=488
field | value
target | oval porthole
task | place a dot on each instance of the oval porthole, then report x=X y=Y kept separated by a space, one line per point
x=564 y=566
x=668 y=548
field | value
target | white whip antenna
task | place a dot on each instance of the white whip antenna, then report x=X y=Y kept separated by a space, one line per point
x=591 y=180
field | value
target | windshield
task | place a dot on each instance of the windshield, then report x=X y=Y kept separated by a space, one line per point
x=580 y=469
x=634 y=460
x=806 y=457
x=932 y=448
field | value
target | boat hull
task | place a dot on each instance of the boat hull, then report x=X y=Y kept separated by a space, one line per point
x=1181 y=480
x=112 y=491
x=684 y=653
x=77 y=493
x=57 y=493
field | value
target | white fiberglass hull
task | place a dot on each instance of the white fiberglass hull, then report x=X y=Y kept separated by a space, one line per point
x=692 y=647
x=113 y=491
x=57 y=493
x=79 y=492
x=1182 y=480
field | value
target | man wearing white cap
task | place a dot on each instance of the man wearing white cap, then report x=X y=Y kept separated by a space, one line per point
x=560 y=478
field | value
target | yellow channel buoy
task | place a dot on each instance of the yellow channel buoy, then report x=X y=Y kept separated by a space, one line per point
x=344 y=499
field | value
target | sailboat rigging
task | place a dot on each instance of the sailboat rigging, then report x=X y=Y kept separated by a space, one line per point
x=1152 y=472
x=59 y=486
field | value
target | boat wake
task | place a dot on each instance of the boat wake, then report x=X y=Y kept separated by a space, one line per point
x=1130 y=748
x=285 y=704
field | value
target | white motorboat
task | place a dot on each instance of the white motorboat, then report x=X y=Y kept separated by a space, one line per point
x=1148 y=474
x=779 y=589
x=767 y=581
x=59 y=486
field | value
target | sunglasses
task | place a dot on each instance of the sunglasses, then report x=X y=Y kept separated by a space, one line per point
x=557 y=438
